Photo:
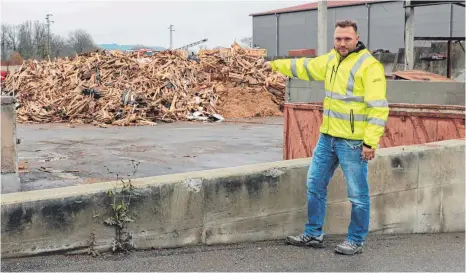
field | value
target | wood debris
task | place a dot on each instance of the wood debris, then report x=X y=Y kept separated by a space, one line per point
x=125 y=89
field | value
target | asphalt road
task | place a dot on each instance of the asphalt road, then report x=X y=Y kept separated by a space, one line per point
x=429 y=252
x=56 y=155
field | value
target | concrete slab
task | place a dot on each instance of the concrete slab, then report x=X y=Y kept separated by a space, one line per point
x=429 y=212
x=453 y=209
x=255 y=207
x=394 y=212
x=444 y=165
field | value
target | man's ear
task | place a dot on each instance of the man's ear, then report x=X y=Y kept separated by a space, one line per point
x=357 y=38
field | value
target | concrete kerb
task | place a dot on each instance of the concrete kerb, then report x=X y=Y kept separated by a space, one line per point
x=249 y=203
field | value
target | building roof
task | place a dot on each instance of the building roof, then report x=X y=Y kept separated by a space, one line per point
x=313 y=6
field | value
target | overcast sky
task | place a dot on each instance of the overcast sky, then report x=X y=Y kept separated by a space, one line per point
x=146 y=22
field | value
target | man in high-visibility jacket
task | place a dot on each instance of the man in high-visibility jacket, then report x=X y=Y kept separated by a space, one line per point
x=354 y=117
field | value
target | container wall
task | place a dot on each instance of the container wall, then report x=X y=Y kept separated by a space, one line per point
x=408 y=124
x=417 y=92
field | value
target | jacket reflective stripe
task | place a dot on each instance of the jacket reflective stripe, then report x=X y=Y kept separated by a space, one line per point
x=354 y=70
x=377 y=103
x=307 y=71
x=377 y=121
x=333 y=114
x=293 y=68
x=337 y=96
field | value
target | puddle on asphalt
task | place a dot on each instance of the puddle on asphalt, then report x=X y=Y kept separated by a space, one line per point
x=49 y=157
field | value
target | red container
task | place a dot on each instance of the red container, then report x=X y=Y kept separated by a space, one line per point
x=407 y=124
x=310 y=52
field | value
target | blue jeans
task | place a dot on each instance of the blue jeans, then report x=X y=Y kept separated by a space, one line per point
x=328 y=154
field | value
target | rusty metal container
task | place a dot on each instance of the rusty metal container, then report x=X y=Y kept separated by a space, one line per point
x=407 y=124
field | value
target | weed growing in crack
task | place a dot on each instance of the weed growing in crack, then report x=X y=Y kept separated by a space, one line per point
x=120 y=206
x=92 y=251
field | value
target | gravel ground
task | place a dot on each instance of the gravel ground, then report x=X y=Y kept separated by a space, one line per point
x=418 y=252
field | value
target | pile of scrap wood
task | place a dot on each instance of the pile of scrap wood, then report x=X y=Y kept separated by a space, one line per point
x=124 y=89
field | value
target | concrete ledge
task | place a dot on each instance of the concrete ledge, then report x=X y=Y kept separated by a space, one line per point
x=248 y=203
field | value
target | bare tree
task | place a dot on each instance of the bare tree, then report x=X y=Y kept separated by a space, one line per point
x=30 y=40
x=59 y=47
x=5 y=42
x=247 y=42
x=81 y=41
x=25 y=38
x=40 y=40
x=13 y=36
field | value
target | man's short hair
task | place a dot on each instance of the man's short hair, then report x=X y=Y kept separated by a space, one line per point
x=347 y=23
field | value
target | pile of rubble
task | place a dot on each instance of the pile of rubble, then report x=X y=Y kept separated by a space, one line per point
x=125 y=89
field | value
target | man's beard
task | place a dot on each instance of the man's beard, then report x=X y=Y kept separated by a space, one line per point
x=346 y=52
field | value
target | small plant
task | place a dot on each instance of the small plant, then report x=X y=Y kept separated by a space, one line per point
x=92 y=251
x=121 y=201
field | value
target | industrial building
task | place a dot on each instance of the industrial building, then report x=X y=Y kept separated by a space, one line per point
x=381 y=24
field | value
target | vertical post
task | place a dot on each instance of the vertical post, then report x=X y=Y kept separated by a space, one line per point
x=409 y=36
x=321 y=27
x=48 y=38
x=171 y=36
x=449 y=59
x=277 y=40
x=449 y=43
x=9 y=176
x=451 y=20
x=49 y=47
x=368 y=25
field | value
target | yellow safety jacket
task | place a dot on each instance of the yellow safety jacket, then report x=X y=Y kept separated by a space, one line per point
x=355 y=104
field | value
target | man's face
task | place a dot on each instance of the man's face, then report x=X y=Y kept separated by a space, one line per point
x=345 y=39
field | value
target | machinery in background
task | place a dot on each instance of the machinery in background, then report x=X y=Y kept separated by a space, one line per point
x=186 y=47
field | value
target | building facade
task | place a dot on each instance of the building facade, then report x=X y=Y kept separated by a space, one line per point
x=380 y=23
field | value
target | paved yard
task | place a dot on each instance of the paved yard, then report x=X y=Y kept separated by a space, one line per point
x=56 y=155
x=400 y=253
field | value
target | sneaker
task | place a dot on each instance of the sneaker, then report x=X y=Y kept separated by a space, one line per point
x=349 y=248
x=306 y=240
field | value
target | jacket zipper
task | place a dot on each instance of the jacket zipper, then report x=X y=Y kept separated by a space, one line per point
x=331 y=93
x=336 y=72
x=331 y=76
x=352 y=121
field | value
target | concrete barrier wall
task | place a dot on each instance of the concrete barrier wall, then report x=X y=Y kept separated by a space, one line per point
x=9 y=175
x=413 y=189
x=444 y=93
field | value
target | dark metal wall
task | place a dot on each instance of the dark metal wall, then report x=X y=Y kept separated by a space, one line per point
x=298 y=30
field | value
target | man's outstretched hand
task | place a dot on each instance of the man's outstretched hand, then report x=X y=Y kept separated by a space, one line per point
x=267 y=66
x=367 y=153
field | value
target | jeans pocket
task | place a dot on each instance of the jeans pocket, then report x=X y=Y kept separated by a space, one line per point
x=354 y=144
